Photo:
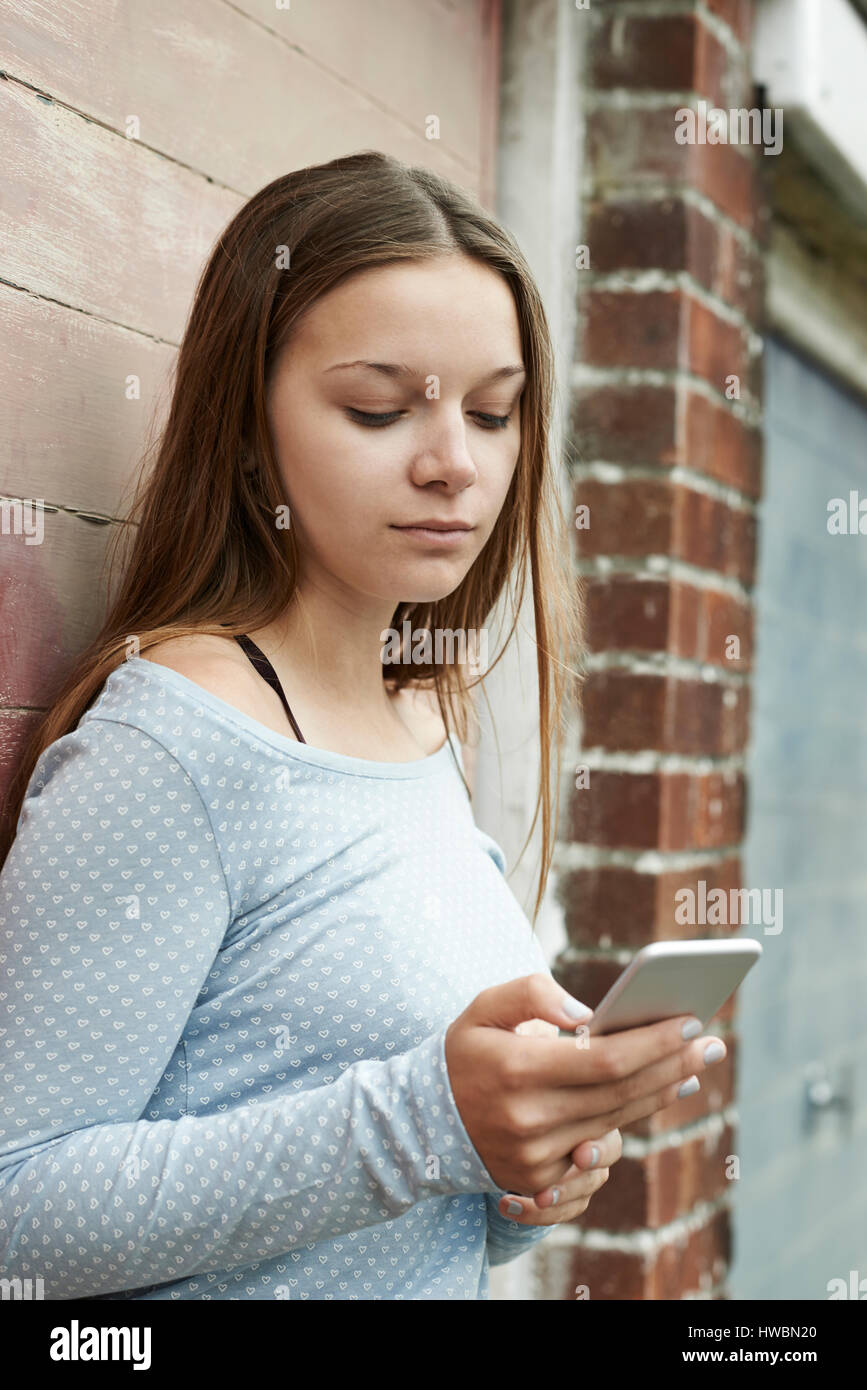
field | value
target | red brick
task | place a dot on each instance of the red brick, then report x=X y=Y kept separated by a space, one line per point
x=614 y=905
x=695 y=1262
x=639 y=234
x=669 y=234
x=622 y=711
x=633 y=517
x=562 y=1270
x=715 y=811
x=654 y=1190
x=639 y=147
x=728 y=268
x=676 y=331
x=659 y=810
x=625 y=710
x=667 y=426
x=691 y=1265
x=589 y=978
x=608 y=905
x=645 y=516
x=633 y=330
x=685 y=621
x=717 y=350
x=712 y=535
x=665 y=53
x=667 y=329
x=629 y=614
x=722 y=618
x=626 y=424
x=737 y=14
x=714 y=441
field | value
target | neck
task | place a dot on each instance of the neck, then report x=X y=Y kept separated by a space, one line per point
x=336 y=637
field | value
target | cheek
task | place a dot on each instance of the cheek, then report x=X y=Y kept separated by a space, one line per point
x=307 y=452
x=498 y=481
x=336 y=478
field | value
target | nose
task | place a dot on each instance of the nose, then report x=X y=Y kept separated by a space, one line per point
x=443 y=455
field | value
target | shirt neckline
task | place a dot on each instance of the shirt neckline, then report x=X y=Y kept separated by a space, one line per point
x=303 y=752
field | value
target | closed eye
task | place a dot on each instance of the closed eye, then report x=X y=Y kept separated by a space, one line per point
x=362 y=417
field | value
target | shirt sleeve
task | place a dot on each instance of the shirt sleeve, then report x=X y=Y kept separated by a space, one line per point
x=508 y=1239
x=113 y=907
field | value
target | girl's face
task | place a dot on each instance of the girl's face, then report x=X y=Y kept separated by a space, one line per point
x=434 y=348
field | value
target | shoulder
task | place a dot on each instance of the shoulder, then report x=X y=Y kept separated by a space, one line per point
x=220 y=666
x=215 y=663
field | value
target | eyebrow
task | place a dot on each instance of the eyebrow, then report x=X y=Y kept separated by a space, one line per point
x=400 y=369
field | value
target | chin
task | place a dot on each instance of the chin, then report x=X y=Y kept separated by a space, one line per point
x=417 y=584
x=429 y=592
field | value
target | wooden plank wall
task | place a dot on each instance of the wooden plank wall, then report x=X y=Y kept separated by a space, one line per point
x=103 y=236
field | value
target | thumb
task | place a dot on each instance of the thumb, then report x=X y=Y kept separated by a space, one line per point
x=536 y=996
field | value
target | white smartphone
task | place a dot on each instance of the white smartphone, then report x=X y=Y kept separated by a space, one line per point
x=668 y=978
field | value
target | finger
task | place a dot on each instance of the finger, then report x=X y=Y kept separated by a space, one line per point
x=530 y=996
x=557 y=1108
x=568 y=1138
x=599 y=1153
x=563 y=1062
x=592 y=1154
x=573 y=1197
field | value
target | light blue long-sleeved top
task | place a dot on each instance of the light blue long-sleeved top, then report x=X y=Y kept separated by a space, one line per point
x=227 y=966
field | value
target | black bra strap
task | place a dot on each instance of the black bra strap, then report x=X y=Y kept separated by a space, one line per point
x=267 y=672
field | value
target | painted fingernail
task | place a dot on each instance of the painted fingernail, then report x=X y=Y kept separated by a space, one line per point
x=691 y=1029
x=594 y=1156
x=714 y=1052
x=690 y=1086
x=555 y=1196
x=514 y=1208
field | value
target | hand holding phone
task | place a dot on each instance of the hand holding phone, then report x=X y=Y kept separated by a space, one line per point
x=526 y=1102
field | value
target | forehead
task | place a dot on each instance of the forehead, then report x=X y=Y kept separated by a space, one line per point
x=452 y=309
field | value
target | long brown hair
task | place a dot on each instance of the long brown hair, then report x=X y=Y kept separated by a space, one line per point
x=207 y=555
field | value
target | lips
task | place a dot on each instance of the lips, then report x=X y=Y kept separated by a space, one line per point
x=435 y=526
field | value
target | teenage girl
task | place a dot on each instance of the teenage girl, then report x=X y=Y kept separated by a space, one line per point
x=261 y=972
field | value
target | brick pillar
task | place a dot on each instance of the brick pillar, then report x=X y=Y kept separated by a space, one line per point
x=666 y=427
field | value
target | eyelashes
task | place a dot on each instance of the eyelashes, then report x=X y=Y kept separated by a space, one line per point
x=362 y=417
